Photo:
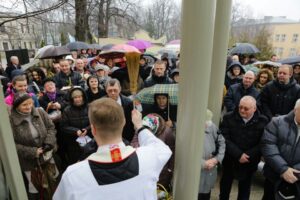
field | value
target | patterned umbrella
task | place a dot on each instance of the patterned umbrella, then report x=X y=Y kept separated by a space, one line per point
x=139 y=44
x=146 y=95
x=125 y=47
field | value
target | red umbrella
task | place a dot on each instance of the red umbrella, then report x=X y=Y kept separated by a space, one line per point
x=139 y=44
x=125 y=47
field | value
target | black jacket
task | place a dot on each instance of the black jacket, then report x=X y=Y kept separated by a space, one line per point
x=279 y=99
x=11 y=68
x=61 y=79
x=236 y=92
x=74 y=118
x=279 y=147
x=91 y=96
x=60 y=98
x=153 y=79
x=128 y=131
x=242 y=138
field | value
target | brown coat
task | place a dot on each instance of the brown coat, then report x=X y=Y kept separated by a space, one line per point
x=26 y=146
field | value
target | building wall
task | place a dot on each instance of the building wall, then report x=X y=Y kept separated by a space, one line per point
x=286 y=39
x=16 y=34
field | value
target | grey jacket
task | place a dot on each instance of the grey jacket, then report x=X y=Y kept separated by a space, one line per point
x=26 y=146
x=280 y=147
x=209 y=177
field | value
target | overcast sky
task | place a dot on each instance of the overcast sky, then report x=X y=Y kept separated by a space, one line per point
x=260 y=8
x=289 y=8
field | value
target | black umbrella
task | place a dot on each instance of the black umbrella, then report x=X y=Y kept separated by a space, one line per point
x=290 y=60
x=150 y=58
x=244 y=48
x=78 y=45
x=54 y=51
x=107 y=47
x=96 y=46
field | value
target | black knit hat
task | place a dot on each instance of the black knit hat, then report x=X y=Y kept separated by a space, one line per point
x=19 y=98
x=46 y=80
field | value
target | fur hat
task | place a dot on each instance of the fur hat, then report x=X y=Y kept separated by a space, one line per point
x=152 y=122
x=19 y=98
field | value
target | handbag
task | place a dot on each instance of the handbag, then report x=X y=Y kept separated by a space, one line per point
x=44 y=179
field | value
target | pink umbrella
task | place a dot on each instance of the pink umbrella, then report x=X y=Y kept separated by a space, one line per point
x=174 y=42
x=140 y=44
x=124 y=47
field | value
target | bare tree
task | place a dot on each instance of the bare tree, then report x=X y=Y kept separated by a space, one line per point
x=27 y=14
x=162 y=18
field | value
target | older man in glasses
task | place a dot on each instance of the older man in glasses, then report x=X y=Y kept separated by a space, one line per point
x=242 y=129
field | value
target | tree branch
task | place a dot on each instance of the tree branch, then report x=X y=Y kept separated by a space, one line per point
x=31 y=14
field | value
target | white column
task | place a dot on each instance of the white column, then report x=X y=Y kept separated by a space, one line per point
x=195 y=63
x=8 y=154
x=221 y=38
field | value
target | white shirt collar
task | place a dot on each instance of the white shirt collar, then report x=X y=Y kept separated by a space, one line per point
x=119 y=101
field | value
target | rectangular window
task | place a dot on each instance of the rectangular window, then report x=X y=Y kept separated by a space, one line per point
x=25 y=45
x=277 y=36
x=2 y=28
x=293 y=52
x=283 y=37
x=5 y=46
x=30 y=45
x=295 y=37
x=280 y=51
x=33 y=28
x=22 y=28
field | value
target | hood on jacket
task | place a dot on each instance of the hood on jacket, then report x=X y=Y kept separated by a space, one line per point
x=85 y=101
x=229 y=71
x=174 y=72
x=233 y=64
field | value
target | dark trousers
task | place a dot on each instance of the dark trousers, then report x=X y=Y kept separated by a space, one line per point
x=204 y=196
x=268 y=190
x=244 y=186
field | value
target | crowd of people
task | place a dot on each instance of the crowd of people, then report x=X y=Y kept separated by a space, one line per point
x=75 y=110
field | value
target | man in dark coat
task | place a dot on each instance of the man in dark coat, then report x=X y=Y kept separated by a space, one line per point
x=13 y=65
x=278 y=97
x=237 y=91
x=113 y=90
x=281 y=151
x=67 y=77
x=159 y=75
x=242 y=130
